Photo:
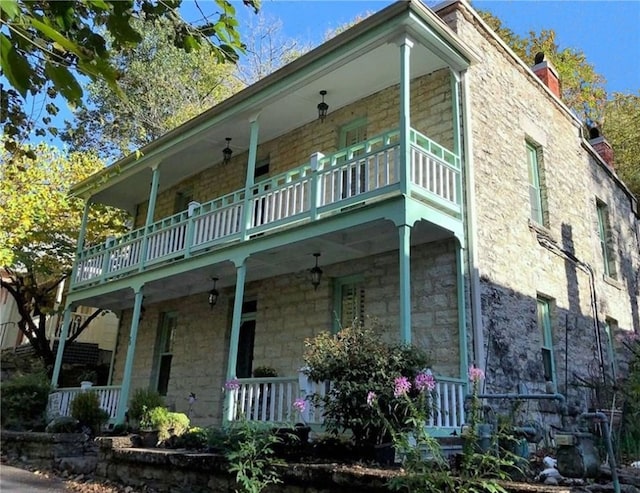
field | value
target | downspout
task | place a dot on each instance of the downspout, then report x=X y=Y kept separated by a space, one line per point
x=472 y=255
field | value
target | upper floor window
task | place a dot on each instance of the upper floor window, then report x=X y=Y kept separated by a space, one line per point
x=353 y=137
x=544 y=324
x=606 y=239
x=182 y=199
x=536 y=198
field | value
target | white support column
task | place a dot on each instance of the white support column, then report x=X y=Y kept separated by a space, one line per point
x=405 y=111
x=66 y=322
x=404 y=252
x=128 y=364
x=241 y=273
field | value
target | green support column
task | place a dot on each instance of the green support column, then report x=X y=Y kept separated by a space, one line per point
x=251 y=171
x=404 y=252
x=462 y=312
x=405 y=112
x=241 y=273
x=66 y=321
x=455 y=110
x=153 y=195
x=128 y=364
x=81 y=237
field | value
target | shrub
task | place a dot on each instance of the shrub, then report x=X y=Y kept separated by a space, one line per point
x=357 y=362
x=24 y=401
x=265 y=371
x=178 y=423
x=63 y=424
x=85 y=407
x=143 y=399
x=195 y=438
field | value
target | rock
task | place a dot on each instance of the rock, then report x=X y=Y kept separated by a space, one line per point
x=551 y=481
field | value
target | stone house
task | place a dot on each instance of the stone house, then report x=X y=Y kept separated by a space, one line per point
x=445 y=192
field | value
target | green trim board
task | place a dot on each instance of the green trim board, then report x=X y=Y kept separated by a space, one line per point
x=535 y=184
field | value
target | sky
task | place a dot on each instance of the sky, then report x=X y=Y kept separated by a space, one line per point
x=606 y=31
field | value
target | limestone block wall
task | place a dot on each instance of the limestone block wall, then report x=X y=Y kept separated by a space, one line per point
x=431 y=115
x=288 y=312
x=561 y=261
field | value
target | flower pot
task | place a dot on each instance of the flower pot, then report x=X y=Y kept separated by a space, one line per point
x=149 y=438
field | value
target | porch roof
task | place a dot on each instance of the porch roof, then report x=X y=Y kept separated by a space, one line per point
x=360 y=61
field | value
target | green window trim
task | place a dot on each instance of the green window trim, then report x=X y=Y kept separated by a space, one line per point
x=164 y=351
x=348 y=301
x=609 y=329
x=544 y=324
x=535 y=184
x=604 y=233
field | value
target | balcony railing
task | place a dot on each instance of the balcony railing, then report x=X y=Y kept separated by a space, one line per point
x=308 y=192
x=60 y=400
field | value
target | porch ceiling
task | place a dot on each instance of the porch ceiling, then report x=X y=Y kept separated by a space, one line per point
x=340 y=246
x=347 y=74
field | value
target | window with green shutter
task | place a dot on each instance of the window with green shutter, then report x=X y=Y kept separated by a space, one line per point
x=536 y=198
x=544 y=324
x=349 y=302
x=604 y=233
x=164 y=351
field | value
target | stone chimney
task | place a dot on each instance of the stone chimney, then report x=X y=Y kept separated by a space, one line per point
x=601 y=145
x=547 y=73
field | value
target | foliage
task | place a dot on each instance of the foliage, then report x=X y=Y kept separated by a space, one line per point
x=154 y=418
x=164 y=87
x=63 y=424
x=177 y=424
x=24 y=401
x=85 y=407
x=47 y=46
x=264 y=372
x=357 y=362
x=251 y=457
x=621 y=127
x=425 y=468
x=630 y=436
x=142 y=400
x=582 y=87
x=39 y=225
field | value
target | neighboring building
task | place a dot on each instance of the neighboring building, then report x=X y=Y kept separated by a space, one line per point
x=449 y=192
x=93 y=348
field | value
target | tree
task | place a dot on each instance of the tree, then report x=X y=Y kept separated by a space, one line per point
x=163 y=87
x=39 y=224
x=621 y=127
x=46 y=46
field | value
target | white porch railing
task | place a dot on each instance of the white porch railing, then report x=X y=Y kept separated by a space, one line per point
x=354 y=174
x=448 y=410
x=60 y=400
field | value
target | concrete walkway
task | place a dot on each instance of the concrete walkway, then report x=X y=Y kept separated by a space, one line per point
x=14 y=480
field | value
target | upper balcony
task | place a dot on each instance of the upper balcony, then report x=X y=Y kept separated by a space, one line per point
x=400 y=71
x=328 y=185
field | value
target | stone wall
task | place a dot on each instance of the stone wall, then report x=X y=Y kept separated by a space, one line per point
x=561 y=260
x=431 y=109
x=289 y=310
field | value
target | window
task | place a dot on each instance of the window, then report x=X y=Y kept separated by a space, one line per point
x=535 y=184
x=244 y=362
x=349 y=302
x=604 y=232
x=353 y=178
x=610 y=328
x=164 y=351
x=544 y=324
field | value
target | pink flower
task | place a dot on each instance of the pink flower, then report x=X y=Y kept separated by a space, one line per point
x=300 y=405
x=371 y=398
x=425 y=381
x=233 y=384
x=402 y=386
x=475 y=374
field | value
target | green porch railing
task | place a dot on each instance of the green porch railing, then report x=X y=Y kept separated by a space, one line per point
x=357 y=173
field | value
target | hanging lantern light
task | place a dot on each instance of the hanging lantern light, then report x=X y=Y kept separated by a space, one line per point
x=316 y=273
x=322 y=107
x=213 y=294
x=227 y=152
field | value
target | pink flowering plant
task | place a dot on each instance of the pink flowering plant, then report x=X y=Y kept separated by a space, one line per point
x=360 y=367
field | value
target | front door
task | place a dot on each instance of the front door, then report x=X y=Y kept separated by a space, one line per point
x=244 y=363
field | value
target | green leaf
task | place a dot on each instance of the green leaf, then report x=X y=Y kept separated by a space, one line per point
x=100 y=4
x=15 y=67
x=64 y=81
x=10 y=7
x=191 y=43
x=54 y=35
